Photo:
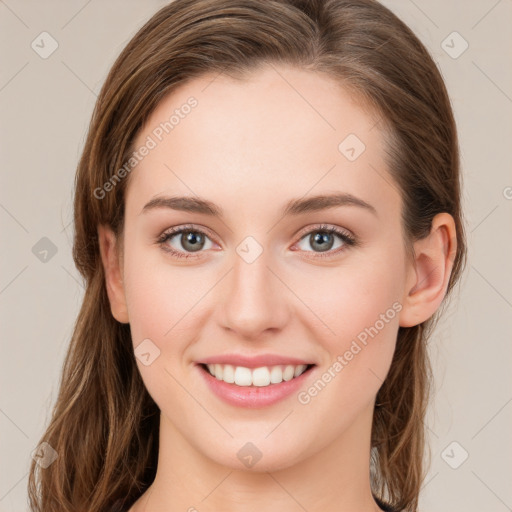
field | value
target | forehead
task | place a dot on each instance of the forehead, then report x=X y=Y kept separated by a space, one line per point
x=246 y=143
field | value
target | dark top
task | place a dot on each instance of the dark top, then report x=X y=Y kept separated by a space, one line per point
x=118 y=506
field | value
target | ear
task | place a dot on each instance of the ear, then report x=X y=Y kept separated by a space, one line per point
x=110 y=257
x=429 y=273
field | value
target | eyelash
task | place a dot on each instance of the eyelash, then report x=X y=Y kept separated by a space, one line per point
x=348 y=240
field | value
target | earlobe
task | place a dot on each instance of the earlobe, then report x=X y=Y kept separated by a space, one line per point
x=429 y=276
x=113 y=275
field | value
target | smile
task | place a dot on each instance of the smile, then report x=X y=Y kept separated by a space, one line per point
x=254 y=387
x=260 y=377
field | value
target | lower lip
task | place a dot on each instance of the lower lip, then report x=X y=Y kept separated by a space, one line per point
x=253 y=397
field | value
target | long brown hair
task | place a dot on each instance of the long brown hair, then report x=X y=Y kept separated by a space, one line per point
x=104 y=425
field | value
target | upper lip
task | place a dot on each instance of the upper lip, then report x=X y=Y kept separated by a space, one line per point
x=253 y=361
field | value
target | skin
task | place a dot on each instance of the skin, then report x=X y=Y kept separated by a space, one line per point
x=266 y=140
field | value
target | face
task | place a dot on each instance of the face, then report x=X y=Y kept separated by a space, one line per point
x=259 y=279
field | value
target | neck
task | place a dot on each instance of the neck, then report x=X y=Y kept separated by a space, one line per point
x=335 y=478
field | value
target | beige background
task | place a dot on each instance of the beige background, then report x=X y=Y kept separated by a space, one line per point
x=45 y=109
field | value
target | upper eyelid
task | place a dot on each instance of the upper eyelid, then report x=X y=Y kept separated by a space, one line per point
x=179 y=229
x=325 y=227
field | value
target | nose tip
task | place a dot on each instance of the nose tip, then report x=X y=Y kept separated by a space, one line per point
x=254 y=302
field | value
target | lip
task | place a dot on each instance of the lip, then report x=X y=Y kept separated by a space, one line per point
x=254 y=361
x=253 y=397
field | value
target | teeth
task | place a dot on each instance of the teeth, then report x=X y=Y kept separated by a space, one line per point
x=288 y=372
x=218 y=371
x=276 y=375
x=243 y=376
x=229 y=374
x=261 y=377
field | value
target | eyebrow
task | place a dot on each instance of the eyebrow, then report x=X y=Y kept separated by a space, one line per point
x=293 y=207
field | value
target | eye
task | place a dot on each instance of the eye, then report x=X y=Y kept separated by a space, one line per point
x=189 y=238
x=194 y=240
x=322 y=238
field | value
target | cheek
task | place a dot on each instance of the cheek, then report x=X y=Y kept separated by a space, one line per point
x=156 y=295
x=160 y=293
x=359 y=308
x=160 y=301
x=353 y=296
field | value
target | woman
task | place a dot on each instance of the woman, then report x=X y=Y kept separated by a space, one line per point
x=268 y=221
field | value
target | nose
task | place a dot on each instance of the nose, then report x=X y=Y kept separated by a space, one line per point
x=255 y=299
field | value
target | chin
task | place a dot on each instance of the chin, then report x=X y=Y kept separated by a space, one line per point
x=256 y=456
